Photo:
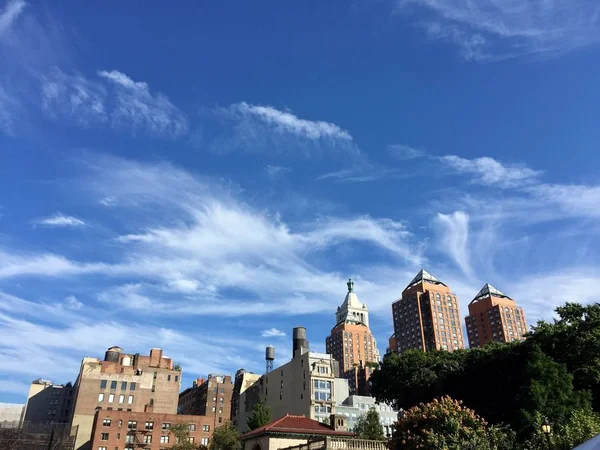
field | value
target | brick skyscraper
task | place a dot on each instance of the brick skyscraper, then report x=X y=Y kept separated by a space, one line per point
x=352 y=344
x=426 y=317
x=494 y=316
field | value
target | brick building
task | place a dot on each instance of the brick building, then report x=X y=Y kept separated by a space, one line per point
x=149 y=430
x=49 y=403
x=426 y=317
x=494 y=316
x=352 y=344
x=123 y=382
x=210 y=397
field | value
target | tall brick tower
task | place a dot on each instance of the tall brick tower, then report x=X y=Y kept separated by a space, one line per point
x=426 y=317
x=494 y=316
x=352 y=344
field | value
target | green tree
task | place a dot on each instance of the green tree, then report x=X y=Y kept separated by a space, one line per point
x=261 y=415
x=445 y=424
x=581 y=426
x=574 y=339
x=368 y=426
x=182 y=434
x=225 y=437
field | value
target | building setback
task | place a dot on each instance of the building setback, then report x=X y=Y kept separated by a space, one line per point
x=210 y=397
x=494 y=316
x=426 y=317
x=303 y=386
x=123 y=382
x=352 y=344
x=119 y=430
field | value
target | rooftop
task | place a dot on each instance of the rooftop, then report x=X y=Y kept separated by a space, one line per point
x=290 y=424
x=488 y=291
x=424 y=277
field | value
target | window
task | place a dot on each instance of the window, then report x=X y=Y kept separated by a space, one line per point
x=192 y=427
x=168 y=377
x=214 y=408
x=220 y=410
x=205 y=427
x=148 y=439
x=122 y=398
x=102 y=384
x=129 y=438
x=132 y=425
x=204 y=441
x=104 y=436
x=106 y=423
x=111 y=398
x=130 y=400
x=154 y=376
x=123 y=385
x=176 y=377
x=222 y=390
x=222 y=400
x=166 y=426
x=132 y=386
x=164 y=439
x=120 y=423
x=101 y=448
x=191 y=439
x=220 y=420
x=150 y=426
x=113 y=384
x=100 y=397
x=118 y=436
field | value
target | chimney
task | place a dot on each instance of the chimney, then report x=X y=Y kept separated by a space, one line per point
x=338 y=422
x=299 y=341
x=155 y=357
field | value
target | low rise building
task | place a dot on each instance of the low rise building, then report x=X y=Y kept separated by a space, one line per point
x=123 y=382
x=49 y=403
x=11 y=415
x=149 y=430
x=210 y=397
x=356 y=405
x=295 y=430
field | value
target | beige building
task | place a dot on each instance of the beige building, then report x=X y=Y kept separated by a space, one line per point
x=304 y=386
x=352 y=344
x=243 y=380
x=426 y=317
x=48 y=402
x=123 y=382
x=494 y=316
x=11 y=415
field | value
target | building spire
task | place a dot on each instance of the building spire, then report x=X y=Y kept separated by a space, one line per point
x=350 y=285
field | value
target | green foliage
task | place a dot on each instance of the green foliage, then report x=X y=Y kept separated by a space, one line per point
x=581 y=426
x=225 y=438
x=574 y=339
x=369 y=427
x=326 y=421
x=182 y=434
x=444 y=424
x=177 y=367
x=261 y=415
x=505 y=383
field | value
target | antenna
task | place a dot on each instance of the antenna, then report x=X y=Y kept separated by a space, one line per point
x=269 y=357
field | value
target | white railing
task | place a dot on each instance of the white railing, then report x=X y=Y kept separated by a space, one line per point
x=341 y=444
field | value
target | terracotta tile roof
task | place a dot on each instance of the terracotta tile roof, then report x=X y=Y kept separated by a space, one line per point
x=290 y=424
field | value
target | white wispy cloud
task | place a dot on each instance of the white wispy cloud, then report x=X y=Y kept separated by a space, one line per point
x=272 y=332
x=74 y=97
x=108 y=201
x=488 y=171
x=499 y=28
x=9 y=14
x=285 y=121
x=275 y=171
x=71 y=302
x=404 y=152
x=138 y=108
x=454 y=230
x=60 y=220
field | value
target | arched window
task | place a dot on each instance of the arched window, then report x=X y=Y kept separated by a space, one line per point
x=437 y=295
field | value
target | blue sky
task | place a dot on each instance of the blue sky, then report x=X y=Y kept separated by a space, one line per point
x=205 y=177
